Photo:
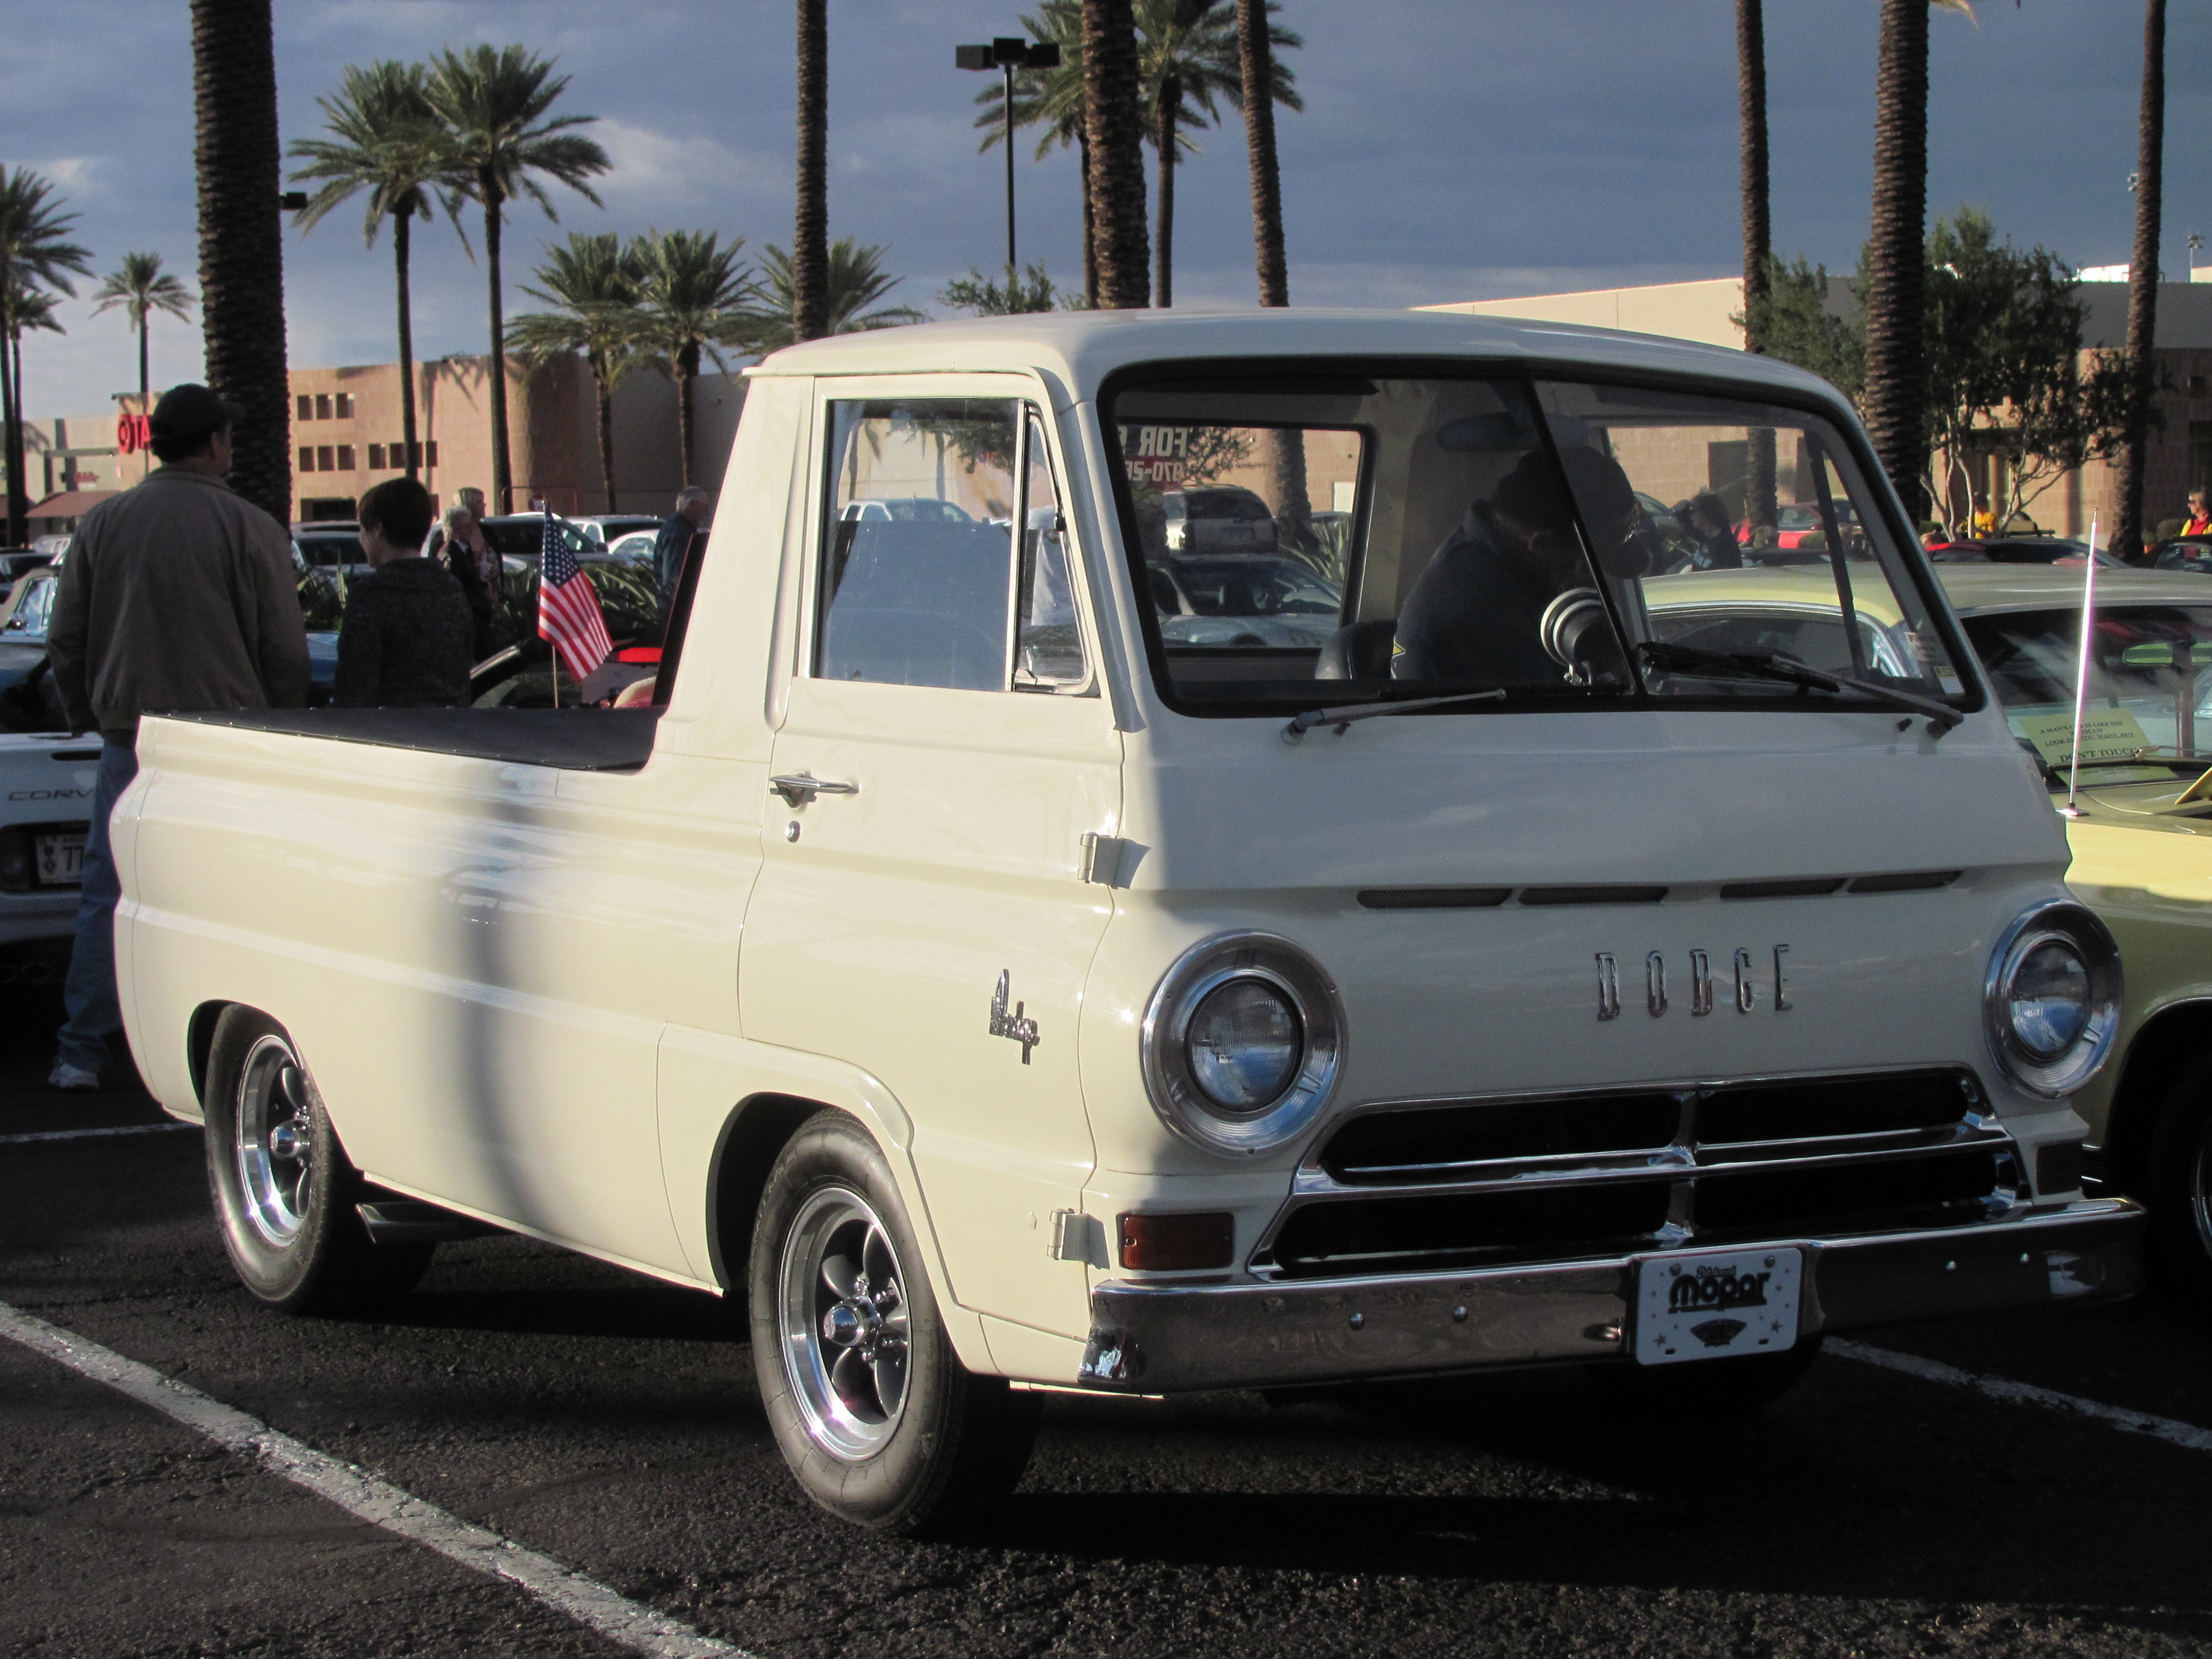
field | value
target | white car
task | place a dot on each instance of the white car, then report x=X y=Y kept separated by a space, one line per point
x=46 y=781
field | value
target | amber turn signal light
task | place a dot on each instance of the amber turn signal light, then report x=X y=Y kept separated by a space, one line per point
x=1170 y=1244
x=2058 y=1168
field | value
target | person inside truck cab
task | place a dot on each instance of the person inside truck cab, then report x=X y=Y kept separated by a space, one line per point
x=1475 y=615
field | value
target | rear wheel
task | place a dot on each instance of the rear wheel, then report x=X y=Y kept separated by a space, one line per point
x=284 y=1192
x=2178 y=1184
x=870 y=1407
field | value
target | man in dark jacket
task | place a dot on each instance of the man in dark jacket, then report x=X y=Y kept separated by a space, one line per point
x=406 y=638
x=176 y=595
x=673 y=542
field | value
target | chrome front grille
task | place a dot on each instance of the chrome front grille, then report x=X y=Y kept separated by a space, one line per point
x=1403 y=1187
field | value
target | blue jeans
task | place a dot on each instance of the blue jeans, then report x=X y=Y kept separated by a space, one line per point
x=95 y=1016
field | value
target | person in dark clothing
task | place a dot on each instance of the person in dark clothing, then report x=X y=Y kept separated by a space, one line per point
x=406 y=638
x=1705 y=516
x=1476 y=614
x=460 y=543
x=673 y=542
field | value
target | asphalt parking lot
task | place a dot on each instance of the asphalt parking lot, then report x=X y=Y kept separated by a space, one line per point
x=610 y=1423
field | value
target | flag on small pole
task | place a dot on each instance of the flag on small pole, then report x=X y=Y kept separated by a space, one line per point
x=568 y=615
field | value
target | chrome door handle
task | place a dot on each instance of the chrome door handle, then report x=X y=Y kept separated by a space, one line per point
x=803 y=787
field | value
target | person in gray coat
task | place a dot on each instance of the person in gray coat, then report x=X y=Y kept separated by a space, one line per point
x=406 y=640
x=177 y=594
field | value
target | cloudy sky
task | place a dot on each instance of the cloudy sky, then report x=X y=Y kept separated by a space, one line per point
x=1450 y=149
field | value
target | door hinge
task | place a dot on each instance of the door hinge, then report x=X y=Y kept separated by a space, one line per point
x=1101 y=860
x=1075 y=1238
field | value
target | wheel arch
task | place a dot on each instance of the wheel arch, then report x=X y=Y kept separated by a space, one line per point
x=2168 y=1041
x=200 y=1044
x=757 y=1129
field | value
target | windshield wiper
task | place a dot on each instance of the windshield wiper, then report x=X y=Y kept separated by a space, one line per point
x=1774 y=665
x=1340 y=718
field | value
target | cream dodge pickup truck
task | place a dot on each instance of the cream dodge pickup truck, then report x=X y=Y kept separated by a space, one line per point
x=998 y=993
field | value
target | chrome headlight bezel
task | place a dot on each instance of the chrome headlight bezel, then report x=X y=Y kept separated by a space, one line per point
x=2074 y=925
x=1185 y=1108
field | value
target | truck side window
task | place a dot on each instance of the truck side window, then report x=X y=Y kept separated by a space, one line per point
x=1048 y=641
x=916 y=572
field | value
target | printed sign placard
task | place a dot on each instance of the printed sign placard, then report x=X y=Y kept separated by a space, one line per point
x=2107 y=734
x=1715 y=1303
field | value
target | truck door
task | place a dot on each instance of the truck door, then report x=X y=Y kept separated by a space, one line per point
x=943 y=748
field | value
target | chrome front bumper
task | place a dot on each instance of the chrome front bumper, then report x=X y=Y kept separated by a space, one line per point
x=1171 y=1338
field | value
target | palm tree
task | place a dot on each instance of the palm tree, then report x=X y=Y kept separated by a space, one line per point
x=1113 y=122
x=242 y=240
x=1757 y=239
x=28 y=310
x=34 y=249
x=385 y=139
x=809 y=291
x=1256 y=68
x=1896 y=263
x=2143 y=277
x=492 y=102
x=593 y=286
x=857 y=280
x=1051 y=98
x=1187 y=56
x=140 y=288
x=693 y=297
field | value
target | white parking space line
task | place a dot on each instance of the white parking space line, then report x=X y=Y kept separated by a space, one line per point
x=378 y=1502
x=1998 y=1388
x=88 y=1135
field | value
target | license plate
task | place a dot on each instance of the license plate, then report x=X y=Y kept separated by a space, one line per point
x=61 y=858
x=1716 y=1303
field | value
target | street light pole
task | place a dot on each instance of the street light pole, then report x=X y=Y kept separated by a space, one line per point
x=1009 y=53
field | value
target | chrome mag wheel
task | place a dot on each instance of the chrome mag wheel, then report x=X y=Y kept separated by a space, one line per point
x=274 y=1140
x=842 y=1313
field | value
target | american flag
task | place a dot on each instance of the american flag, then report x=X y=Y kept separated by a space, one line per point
x=568 y=605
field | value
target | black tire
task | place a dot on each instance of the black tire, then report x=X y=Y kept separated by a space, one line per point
x=879 y=1421
x=285 y=1193
x=1748 y=1382
x=2178 y=1185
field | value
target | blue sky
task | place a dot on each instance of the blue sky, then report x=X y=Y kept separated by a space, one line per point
x=1450 y=149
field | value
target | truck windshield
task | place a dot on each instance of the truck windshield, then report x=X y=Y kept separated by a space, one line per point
x=1421 y=536
x=2150 y=692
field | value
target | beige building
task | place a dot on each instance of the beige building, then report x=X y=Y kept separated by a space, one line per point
x=2180 y=456
x=346 y=436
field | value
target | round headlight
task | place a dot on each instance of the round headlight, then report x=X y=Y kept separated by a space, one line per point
x=2048 y=999
x=2053 y=1000
x=1242 y=1043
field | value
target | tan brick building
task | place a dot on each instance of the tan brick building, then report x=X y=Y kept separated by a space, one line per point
x=346 y=436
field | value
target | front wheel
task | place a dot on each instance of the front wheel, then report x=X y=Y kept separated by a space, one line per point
x=870 y=1407
x=283 y=1191
x=2178 y=1187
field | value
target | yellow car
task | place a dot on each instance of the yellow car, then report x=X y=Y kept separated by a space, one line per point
x=2141 y=829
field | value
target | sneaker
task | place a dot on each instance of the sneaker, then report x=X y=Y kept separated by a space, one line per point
x=66 y=1076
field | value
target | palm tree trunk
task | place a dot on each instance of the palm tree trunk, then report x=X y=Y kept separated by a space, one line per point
x=501 y=474
x=145 y=378
x=1760 y=505
x=409 y=451
x=606 y=395
x=1113 y=121
x=242 y=240
x=1897 y=356
x=687 y=368
x=2128 y=539
x=1089 y=225
x=1255 y=61
x=11 y=433
x=810 y=247
x=1170 y=117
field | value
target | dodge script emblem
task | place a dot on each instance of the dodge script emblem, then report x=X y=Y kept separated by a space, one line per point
x=1701 y=984
x=1016 y=1025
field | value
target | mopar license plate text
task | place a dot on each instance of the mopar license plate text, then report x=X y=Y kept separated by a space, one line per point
x=1716 y=1303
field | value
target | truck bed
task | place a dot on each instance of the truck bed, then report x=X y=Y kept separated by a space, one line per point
x=569 y=739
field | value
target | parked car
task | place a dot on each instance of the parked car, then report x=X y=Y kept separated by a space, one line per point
x=330 y=547
x=989 y=989
x=636 y=548
x=2191 y=553
x=2022 y=550
x=46 y=778
x=522 y=536
x=905 y=509
x=608 y=528
x=1795 y=521
x=1243 y=600
x=1217 y=519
